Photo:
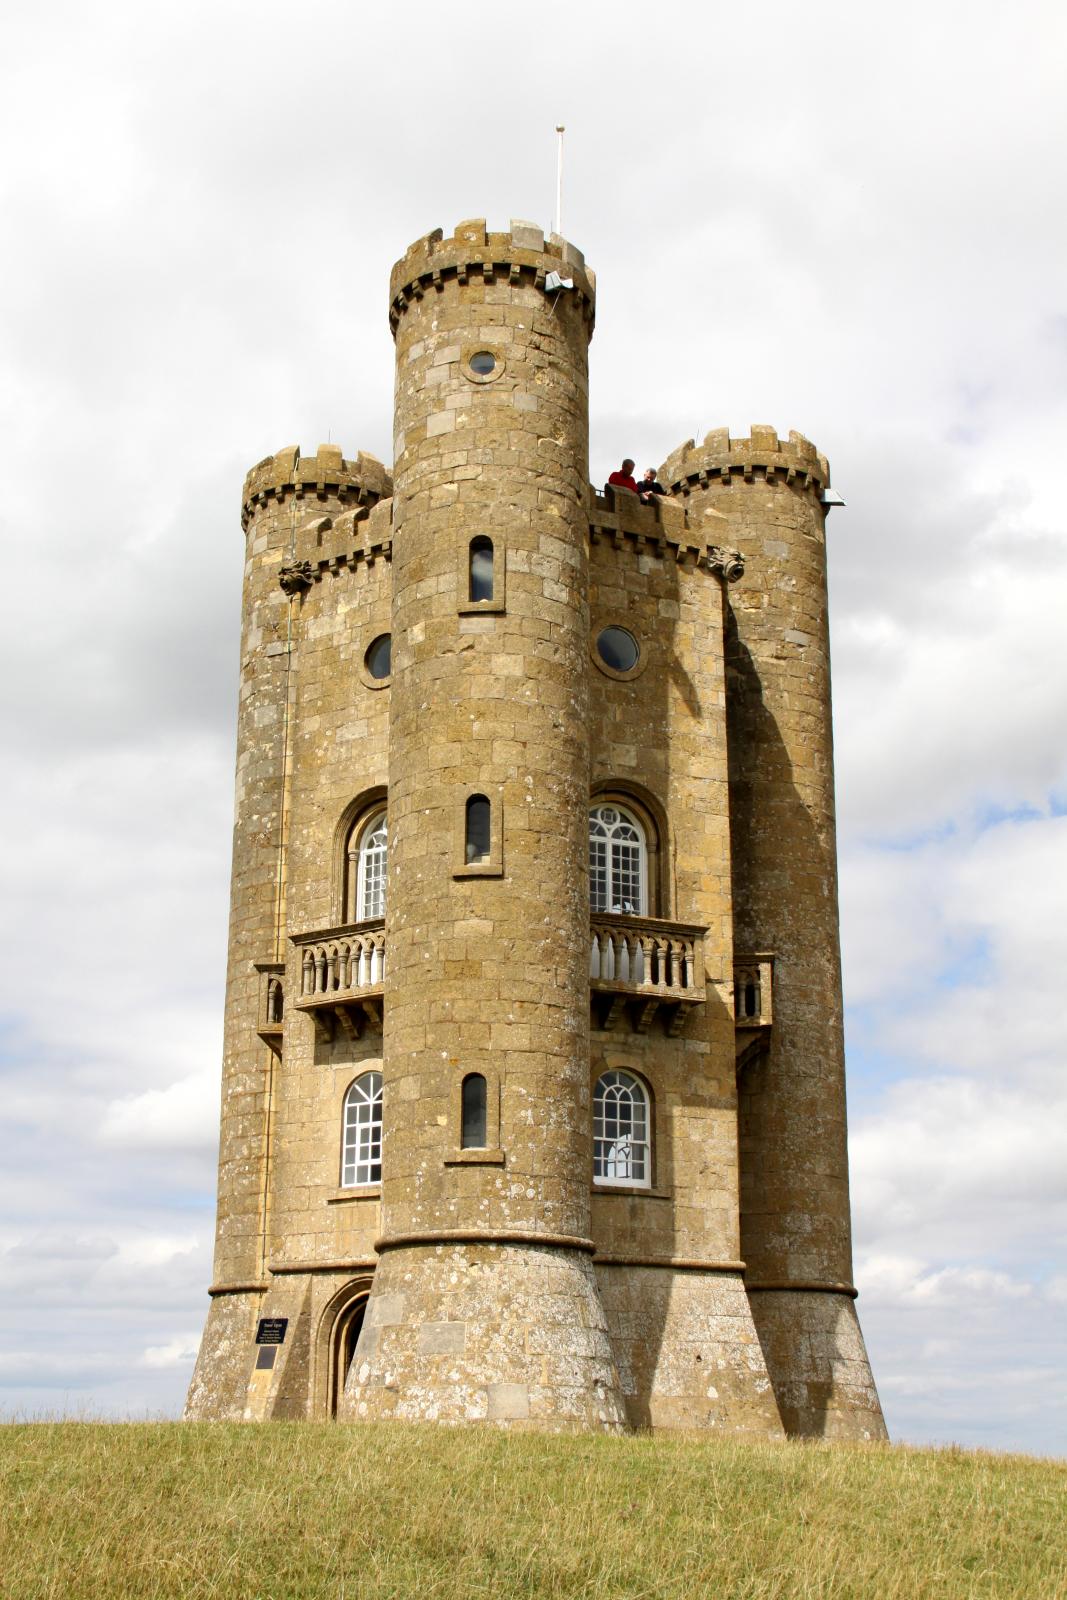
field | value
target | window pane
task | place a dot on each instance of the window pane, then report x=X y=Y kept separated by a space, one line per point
x=379 y=657
x=477 y=828
x=361 y=1156
x=620 y=1130
x=474 y=1113
x=617 y=649
x=372 y=869
x=617 y=863
x=481 y=569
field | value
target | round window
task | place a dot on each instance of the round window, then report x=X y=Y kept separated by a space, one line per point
x=482 y=363
x=617 y=649
x=379 y=657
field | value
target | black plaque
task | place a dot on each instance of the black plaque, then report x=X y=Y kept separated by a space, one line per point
x=271 y=1330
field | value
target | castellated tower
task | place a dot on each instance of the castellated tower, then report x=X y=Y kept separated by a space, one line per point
x=533 y=1096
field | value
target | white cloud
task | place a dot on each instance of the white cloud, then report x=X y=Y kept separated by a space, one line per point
x=184 y=1115
x=178 y=1352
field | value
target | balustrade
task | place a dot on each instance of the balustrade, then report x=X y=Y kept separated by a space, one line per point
x=638 y=965
x=753 y=1006
x=342 y=972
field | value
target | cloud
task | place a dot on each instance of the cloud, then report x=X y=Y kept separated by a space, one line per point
x=178 y=1352
x=184 y=1115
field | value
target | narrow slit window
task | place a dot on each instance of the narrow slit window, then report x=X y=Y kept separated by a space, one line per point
x=474 y=1131
x=481 y=569
x=477 y=834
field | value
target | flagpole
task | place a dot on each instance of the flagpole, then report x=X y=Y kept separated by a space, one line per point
x=559 y=178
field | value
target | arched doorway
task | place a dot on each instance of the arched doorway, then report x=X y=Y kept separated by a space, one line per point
x=346 y=1337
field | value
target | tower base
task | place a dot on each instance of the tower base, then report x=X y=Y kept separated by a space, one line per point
x=505 y=1332
x=687 y=1351
x=219 y=1388
x=818 y=1363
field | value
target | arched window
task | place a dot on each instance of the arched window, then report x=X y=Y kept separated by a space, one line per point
x=474 y=1132
x=618 y=862
x=622 y=1151
x=477 y=836
x=367 y=849
x=480 y=572
x=361 y=1148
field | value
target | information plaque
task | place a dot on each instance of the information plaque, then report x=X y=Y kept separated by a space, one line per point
x=271 y=1330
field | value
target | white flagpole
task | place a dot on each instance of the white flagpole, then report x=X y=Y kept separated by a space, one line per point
x=559 y=179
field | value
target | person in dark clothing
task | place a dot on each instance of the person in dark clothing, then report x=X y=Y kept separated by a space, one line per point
x=624 y=477
x=650 y=486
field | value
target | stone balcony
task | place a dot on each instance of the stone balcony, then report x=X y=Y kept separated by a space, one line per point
x=642 y=969
x=342 y=971
x=753 y=1005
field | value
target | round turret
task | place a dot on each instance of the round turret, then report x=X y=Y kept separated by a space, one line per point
x=795 y=1224
x=487 y=916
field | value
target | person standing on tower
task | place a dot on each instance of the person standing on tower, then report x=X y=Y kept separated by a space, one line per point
x=623 y=478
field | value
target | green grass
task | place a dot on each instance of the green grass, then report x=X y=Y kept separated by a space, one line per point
x=306 y=1511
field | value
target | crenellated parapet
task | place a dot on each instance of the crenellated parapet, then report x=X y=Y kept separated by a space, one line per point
x=326 y=474
x=348 y=543
x=661 y=528
x=473 y=254
x=762 y=455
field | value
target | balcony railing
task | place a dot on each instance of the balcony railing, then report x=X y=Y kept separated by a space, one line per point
x=753 y=1005
x=342 y=971
x=641 y=968
x=271 y=1003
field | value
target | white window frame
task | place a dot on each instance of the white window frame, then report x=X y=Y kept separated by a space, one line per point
x=361 y=1136
x=615 y=904
x=368 y=854
x=609 y=1148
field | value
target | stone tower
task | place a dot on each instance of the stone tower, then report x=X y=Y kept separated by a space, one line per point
x=533 y=1092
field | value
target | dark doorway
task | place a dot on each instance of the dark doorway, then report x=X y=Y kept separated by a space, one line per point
x=345 y=1340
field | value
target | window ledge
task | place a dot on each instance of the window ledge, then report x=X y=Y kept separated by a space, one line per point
x=475 y=1158
x=470 y=608
x=340 y=1197
x=479 y=869
x=631 y=1189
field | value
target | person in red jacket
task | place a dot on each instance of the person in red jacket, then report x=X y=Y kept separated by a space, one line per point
x=624 y=477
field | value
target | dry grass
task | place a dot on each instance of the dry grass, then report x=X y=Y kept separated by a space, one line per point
x=306 y=1512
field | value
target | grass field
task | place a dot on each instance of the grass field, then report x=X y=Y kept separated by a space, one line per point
x=305 y=1512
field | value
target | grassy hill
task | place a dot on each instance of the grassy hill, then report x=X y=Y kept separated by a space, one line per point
x=318 y=1512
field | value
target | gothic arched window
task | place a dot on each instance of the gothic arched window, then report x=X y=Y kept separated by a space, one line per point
x=361 y=1146
x=618 y=862
x=367 y=853
x=622 y=1118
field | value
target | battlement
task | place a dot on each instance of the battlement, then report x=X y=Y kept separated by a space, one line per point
x=761 y=455
x=362 y=482
x=661 y=528
x=521 y=254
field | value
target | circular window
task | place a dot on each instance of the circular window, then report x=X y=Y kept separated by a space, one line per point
x=379 y=657
x=482 y=363
x=617 y=649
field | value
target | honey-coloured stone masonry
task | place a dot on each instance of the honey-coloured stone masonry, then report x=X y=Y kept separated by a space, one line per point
x=533 y=1100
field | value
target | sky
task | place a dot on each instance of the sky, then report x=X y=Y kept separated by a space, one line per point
x=842 y=219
